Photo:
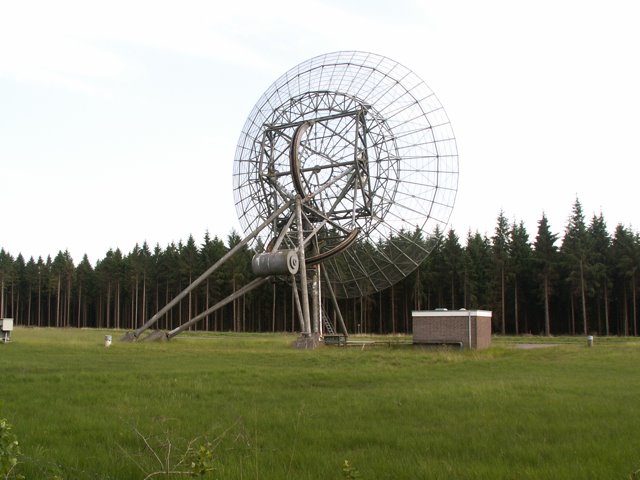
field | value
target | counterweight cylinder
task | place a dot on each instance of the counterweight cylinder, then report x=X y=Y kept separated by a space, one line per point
x=282 y=262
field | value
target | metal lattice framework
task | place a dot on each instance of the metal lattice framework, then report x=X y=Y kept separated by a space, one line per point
x=369 y=148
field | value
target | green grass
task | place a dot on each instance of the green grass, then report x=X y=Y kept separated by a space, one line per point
x=277 y=413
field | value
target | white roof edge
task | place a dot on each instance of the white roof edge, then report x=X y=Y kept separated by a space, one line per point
x=451 y=313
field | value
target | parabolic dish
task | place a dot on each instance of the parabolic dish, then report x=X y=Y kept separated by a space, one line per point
x=371 y=151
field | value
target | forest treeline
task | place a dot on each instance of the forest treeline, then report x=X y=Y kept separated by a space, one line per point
x=582 y=282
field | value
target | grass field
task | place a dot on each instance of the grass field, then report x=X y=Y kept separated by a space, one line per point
x=84 y=411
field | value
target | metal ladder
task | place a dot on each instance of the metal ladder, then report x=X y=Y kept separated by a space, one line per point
x=326 y=322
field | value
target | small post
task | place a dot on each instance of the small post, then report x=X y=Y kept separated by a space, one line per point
x=590 y=341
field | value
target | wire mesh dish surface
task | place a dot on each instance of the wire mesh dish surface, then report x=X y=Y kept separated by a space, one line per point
x=368 y=149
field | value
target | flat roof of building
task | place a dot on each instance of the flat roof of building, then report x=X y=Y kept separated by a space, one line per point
x=450 y=313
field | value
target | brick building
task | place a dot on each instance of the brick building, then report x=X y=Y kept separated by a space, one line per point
x=466 y=328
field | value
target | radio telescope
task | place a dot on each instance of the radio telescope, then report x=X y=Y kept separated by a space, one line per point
x=343 y=169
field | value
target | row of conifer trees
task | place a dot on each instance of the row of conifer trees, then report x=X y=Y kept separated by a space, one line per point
x=582 y=282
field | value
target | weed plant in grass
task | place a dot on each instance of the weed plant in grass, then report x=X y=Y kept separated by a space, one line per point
x=81 y=410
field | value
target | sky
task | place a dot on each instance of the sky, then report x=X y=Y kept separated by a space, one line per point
x=119 y=120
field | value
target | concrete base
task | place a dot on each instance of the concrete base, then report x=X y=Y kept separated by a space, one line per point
x=156 y=336
x=128 y=337
x=307 y=342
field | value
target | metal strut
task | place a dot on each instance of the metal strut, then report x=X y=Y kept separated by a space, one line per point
x=132 y=336
x=255 y=283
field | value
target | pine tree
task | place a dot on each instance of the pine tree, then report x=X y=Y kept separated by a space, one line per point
x=500 y=242
x=191 y=268
x=59 y=268
x=545 y=256
x=211 y=251
x=31 y=275
x=454 y=264
x=432 y=273
x=6 y=276
x=575 y=249
x=18 y=289
x=85 y=285
x=600 y=258
x=169 y=275
x=239 y=268
x=626 y=253
x=47 y=283
x=478 y=272
x=520 y=266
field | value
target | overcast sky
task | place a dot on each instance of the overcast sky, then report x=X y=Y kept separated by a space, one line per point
x=119 y=120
